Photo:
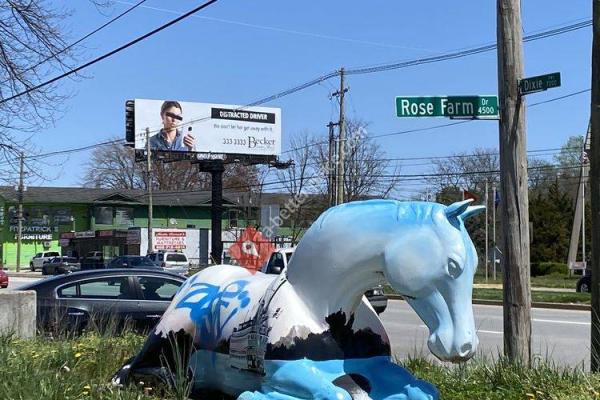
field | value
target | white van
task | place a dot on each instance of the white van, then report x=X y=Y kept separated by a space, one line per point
x=171 y=261
x=38 y=260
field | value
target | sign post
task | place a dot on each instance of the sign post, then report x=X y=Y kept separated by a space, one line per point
x=473 y=107
x=539 y=83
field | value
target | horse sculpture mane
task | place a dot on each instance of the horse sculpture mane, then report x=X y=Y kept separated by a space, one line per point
x=309 y=333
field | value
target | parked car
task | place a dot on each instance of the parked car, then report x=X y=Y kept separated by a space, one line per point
x=60 y=265
x=38 y=260
x=133 y=262
x=280 y=258
x=108 y=297
x=3 y=279
x=92 y=260
x=584 y=284
x=171 y=261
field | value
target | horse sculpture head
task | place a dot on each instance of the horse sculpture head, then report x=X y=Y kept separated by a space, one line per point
x=433 y=267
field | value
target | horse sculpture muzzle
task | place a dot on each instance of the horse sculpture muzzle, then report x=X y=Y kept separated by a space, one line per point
x=451 y=326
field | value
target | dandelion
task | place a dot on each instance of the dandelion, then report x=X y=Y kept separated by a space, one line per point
x=77 y=355
x=87 y=387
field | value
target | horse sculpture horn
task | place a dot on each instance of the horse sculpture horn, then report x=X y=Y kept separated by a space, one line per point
x=471 y=211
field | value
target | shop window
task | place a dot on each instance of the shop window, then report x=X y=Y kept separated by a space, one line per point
x=103 y=215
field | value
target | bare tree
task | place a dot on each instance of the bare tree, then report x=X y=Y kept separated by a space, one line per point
x=114 y=166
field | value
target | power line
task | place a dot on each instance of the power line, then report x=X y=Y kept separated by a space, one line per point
x=110 y=53
x=133 y=7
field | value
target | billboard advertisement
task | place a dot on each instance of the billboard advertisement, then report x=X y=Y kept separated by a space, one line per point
x=207 y=128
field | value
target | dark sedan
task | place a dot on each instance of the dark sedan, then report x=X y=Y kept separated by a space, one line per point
x=107 y=299
x=584 y=284
x=60 y=265
x=133 y=262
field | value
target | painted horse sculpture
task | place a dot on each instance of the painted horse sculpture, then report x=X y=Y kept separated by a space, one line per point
x=309 y=333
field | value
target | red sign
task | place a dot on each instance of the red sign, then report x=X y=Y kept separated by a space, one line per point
x=251 y=250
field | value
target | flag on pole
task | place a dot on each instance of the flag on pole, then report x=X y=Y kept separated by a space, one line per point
x=469 y=195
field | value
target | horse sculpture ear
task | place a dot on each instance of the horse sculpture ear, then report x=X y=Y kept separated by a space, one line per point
x=458 y=208
x=471 y=211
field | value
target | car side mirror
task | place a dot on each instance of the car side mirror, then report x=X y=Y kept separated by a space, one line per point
x=276 y=269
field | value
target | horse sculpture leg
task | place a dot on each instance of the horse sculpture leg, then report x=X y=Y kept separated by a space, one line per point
x=295 y=380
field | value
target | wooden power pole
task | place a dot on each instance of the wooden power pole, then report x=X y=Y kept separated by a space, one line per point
x=341 y=173
x=20 y=190
x=513 y=185
x=595 y=188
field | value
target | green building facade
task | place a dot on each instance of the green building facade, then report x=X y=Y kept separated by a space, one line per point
x=49 y=212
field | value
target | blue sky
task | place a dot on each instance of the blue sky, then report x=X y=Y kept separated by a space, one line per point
x=236 y=52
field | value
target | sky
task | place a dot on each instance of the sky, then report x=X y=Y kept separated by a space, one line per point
x=236 y=52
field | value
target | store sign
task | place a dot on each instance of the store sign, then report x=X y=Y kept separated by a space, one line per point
x=169 y=239
x=85 y=234
x=134 y=236
x=35 y=236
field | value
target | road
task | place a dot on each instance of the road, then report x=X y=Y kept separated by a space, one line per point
x=559 y=336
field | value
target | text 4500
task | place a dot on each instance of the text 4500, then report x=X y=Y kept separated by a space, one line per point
x=235 y=142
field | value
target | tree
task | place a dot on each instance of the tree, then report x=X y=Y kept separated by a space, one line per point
x=113 y=166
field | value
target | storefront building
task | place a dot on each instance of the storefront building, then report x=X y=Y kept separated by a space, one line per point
x=99 y=217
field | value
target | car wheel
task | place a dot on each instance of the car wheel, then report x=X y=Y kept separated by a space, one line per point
x=31 y=267
x=44 y=271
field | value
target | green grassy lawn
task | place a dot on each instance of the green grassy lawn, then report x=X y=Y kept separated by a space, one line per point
x=549 y=281
x=536 y=296
x=81 y=368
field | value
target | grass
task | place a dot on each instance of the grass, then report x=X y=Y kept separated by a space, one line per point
x=81 y=368
x=500 y=380
x=548 y=281
x=536 y=296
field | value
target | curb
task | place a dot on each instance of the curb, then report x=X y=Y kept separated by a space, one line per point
x=556 y=306
x=22 y=274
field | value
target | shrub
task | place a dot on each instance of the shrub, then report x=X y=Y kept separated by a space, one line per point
x=547 y=268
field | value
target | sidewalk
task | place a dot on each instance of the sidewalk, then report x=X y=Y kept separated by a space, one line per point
x=24 y=273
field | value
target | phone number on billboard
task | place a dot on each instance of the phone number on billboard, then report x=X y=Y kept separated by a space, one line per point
x=236 y=142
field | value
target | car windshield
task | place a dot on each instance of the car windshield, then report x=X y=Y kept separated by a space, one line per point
x=52 y=254
x=177 y=257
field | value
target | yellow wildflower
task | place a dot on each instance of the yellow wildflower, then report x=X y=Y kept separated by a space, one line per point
x=77 y=355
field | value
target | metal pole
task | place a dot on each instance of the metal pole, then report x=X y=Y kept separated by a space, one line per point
x=149 y=183
x=487 y=258
x=494 y=231
x=342 y=144
x=20 y=211
x=216 y=172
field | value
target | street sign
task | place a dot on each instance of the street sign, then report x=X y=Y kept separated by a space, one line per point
x=539 y=83
x=475 y=107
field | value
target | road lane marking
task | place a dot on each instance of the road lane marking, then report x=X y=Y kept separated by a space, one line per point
x=553 y=321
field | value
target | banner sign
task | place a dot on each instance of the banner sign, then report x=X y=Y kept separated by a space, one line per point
x=169 y=239
x=207 y=127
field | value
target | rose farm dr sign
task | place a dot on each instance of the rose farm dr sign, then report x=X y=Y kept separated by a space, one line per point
x=479 y=107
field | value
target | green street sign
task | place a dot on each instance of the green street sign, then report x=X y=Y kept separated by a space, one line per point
x=539 y=83
x=475 y=107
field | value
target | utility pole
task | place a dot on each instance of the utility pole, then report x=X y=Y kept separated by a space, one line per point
x=20 y=189
x=331 y=167
x=149 y=180
x=595 y=189
x=513 y=183
x=342 y=141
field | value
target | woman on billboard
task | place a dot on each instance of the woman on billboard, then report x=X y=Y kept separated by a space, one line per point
x=170 y=137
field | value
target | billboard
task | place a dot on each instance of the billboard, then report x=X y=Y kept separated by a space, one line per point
x=206 y=127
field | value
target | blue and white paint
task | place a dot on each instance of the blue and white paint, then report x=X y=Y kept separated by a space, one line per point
x=309 y=333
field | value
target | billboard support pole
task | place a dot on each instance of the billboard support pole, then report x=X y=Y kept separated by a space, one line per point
x=216 y=168
x=149 y=183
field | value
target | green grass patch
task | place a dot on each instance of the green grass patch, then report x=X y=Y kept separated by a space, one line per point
x=81 y=368
x=536 y=296
x=549 y=281
x=501 y=380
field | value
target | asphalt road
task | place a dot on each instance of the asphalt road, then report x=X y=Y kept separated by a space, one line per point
x=559 y=336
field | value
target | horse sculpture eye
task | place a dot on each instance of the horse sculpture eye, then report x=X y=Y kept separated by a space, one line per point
x=454 y=269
